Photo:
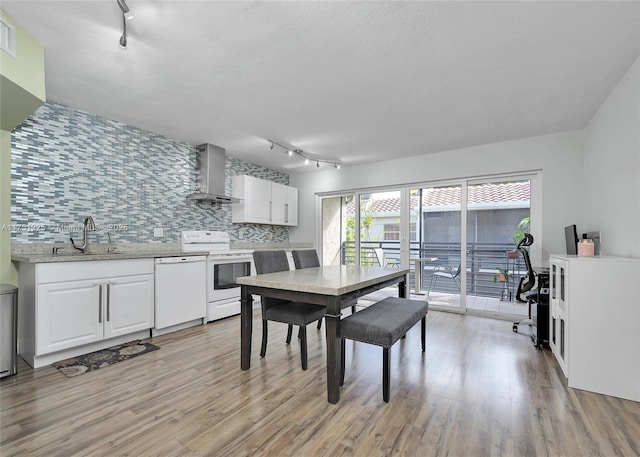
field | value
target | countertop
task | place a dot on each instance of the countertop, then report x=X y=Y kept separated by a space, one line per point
x=42 y=252
x=80 y=257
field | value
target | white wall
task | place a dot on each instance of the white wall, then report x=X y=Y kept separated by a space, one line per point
x=559 y=156
x=612 y=168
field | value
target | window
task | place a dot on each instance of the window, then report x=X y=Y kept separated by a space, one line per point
x=392 y=232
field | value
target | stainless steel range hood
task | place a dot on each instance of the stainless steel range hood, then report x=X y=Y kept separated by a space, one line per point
x=211 y=178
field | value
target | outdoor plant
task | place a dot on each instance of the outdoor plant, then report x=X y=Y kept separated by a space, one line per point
x=502 y=275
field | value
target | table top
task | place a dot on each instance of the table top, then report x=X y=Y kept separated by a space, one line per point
x=327 y=280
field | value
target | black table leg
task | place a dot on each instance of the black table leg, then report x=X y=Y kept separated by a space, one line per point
x=334 y=353
x=246 y=327
x=402 y=289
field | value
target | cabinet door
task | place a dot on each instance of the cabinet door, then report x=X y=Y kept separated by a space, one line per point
x=129 y=305
x=278 y=203
x=291 y=208
x=255 y=204
x=69 y=314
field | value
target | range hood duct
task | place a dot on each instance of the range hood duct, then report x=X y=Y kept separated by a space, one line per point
x=210 y=181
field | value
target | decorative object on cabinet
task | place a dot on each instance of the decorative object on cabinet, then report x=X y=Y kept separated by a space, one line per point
x=264 y=202
x=99 y=359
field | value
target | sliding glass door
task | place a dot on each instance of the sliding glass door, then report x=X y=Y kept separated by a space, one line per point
x=498 y=215
x=458 y=238
x=435 y=254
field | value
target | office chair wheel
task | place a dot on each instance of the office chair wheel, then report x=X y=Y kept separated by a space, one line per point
x=515 y=328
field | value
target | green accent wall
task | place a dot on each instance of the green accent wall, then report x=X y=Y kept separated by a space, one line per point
x=22 y=91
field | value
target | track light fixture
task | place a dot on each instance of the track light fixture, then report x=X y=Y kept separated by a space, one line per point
x=302 y=155
x=126 y=14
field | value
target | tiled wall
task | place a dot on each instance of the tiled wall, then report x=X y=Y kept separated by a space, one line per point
x=66 y=164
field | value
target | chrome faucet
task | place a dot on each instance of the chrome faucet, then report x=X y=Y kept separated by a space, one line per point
x=111 y=248
x=88 y=224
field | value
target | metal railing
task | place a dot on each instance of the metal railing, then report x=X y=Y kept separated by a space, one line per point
x=483 y=261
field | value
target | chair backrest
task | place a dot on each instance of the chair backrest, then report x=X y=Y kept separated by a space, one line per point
x=270 y=262
x=305 y=258
x=380 y=256
x=528 y=281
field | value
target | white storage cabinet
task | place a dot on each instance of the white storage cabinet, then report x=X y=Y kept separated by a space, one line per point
x=73 y=308
x=594 y=322
x=264 y=202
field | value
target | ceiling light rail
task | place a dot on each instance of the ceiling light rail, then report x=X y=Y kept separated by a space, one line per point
x=302 y=155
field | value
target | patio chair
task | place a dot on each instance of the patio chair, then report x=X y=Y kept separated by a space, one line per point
x=445 y=271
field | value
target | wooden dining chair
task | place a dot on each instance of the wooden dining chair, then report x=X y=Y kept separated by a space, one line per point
x=286 y=311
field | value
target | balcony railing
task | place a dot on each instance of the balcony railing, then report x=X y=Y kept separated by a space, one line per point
x=483 y=261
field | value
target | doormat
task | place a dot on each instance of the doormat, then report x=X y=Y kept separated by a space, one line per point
x=89 y=362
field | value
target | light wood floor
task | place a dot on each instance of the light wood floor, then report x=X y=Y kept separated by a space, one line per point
x=479 y=390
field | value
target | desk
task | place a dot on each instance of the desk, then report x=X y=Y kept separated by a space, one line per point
x=418 y=270
x=332 y=286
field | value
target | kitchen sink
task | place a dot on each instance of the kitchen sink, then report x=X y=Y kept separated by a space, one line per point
x=80 y=254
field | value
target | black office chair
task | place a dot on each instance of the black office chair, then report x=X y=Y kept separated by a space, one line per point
x=527 y=292
x=288 y=312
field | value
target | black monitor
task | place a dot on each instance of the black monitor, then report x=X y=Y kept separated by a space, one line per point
x=571 y=238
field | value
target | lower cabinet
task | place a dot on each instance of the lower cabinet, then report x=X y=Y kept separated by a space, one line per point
x=594 y=321
x=70 y=308
x=79 y=312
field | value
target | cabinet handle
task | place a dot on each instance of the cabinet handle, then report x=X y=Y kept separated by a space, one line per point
x=108 y=302
x=270 y=210
x=100 y=304
x=286 y=212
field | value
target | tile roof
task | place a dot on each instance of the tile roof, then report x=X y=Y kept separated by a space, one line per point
x=482 y=194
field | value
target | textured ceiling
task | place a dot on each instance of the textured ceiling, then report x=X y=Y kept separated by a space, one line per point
x=355 y=82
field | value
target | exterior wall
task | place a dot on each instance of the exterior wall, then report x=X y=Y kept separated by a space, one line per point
x=67 y=164
x=612 y=169
x=559 y=156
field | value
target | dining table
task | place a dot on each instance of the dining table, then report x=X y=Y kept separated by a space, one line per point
x=334 y=286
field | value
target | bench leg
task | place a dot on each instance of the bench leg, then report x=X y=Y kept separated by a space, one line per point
x=303 y=345
x=319 y=324
x=385 y=374
x=423 y=324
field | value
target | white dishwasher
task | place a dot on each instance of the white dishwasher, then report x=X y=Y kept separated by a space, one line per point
x=180 y=293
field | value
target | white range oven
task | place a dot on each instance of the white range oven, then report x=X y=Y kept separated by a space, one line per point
x=224 y=265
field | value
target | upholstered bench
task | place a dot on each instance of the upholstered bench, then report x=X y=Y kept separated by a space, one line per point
x=382 y=324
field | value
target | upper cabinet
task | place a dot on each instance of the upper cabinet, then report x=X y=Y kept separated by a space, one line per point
x=264 y=202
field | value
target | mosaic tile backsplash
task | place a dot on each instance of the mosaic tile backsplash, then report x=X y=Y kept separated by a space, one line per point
x=67 y=164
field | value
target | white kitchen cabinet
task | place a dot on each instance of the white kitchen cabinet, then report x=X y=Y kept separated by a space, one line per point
x=284 y=204
x=594 y=323
x=264 y=202
x=72 y=308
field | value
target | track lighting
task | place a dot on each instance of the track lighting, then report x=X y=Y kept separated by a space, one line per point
x=126 y=14
x=301 y=155
x=125 y=9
